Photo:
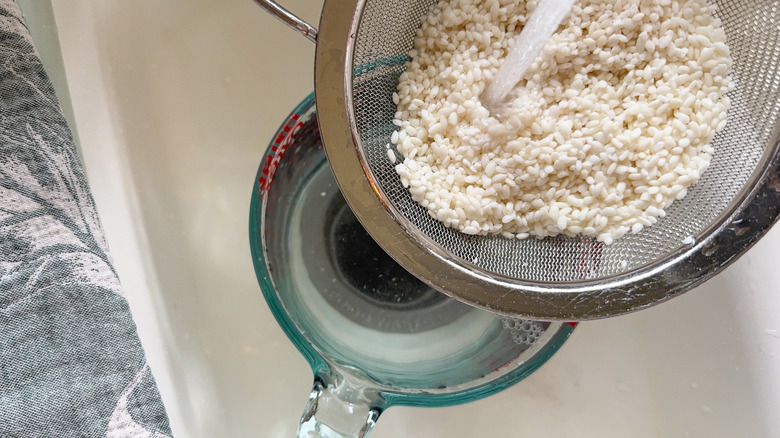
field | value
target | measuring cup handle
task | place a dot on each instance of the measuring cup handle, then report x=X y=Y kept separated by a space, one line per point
x=331 y=414
x=289 y=19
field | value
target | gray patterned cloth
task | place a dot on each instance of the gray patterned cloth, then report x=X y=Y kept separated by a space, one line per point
x=71 y=364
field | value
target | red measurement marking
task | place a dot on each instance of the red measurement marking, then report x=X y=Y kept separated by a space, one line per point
x=589 y=260
x=278 y=148
x=573 y=324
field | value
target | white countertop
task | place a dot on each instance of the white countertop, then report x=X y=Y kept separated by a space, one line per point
x=174 y=103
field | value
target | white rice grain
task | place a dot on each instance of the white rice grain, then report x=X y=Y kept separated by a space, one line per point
x=611 y=124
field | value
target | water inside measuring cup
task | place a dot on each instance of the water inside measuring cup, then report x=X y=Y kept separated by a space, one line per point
x=353 y=274
x=358 y=307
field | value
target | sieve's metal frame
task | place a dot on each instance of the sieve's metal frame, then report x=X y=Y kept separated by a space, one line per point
x=754 y=210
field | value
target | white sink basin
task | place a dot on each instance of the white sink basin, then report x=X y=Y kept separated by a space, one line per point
x=174 y=103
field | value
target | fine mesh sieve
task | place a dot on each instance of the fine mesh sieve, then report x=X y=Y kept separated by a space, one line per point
x=361 y=51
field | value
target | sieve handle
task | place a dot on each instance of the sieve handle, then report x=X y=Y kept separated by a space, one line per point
x=289 y=19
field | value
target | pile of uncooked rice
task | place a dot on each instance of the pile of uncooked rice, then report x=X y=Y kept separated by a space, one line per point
x=611 y=124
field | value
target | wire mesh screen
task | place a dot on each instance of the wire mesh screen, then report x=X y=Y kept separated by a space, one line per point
x=386 y=33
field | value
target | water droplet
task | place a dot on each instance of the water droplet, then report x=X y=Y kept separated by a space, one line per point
x=706 y=408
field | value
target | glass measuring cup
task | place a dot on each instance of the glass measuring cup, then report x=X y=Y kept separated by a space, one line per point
x=374 y=335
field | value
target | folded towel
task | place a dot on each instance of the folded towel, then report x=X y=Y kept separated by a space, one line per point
x=71 y=364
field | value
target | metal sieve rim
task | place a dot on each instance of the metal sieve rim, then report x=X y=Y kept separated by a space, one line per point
x=745 y=220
